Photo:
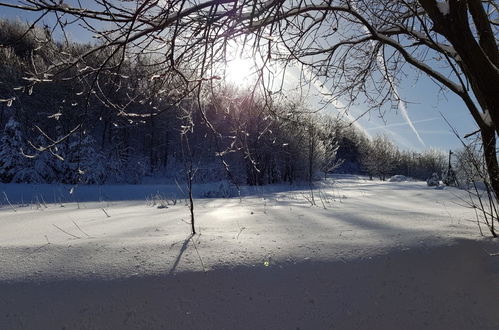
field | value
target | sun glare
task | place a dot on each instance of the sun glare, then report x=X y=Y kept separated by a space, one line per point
x=239 y=71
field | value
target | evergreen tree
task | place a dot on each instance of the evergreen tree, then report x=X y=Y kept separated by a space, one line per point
x=14 y=166
x=45 y=163
x=91 y=165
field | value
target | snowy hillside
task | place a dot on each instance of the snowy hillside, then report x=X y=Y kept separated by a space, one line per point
x=369 y=254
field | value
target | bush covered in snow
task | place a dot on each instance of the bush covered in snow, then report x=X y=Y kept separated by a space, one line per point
x=433 y=181
x=398 y=178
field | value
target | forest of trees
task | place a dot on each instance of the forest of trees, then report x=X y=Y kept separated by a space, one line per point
x=56 y=132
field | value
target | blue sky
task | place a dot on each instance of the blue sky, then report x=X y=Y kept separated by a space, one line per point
x=425 y=103
x=425 y=107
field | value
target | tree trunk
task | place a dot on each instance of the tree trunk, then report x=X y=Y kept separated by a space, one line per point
x=480 y=62
x=311 y=153
x=490 y=153
x=187 y=158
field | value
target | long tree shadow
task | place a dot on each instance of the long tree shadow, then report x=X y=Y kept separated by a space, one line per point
x=181 y=252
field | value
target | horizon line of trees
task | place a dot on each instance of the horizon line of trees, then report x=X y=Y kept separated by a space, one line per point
x=56 y=132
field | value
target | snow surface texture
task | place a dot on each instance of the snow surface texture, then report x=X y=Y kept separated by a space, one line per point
x=376 y=255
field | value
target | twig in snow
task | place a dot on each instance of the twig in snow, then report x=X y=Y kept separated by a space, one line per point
x=179 y=188
x=322 y=197
x=38 y=204
x=43 y=201
x=495 y=254
x=105 y=212
x=41 y=247
x=240 y=230
x=184 y=221
x=175 y=243
x=78 y=237
x=310 y=200
x=7 y=199
x=80 y=229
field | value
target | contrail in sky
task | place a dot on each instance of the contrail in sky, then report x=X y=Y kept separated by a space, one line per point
x=326 y=94
x=405 y=114
x=404 y=124
x=401 y=104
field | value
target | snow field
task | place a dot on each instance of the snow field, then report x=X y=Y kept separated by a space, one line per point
x=369 y=255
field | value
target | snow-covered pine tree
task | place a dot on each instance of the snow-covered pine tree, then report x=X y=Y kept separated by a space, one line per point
x=45 y=163
x=79 y=161
x=62 y=163
x=91 y=166
x=14 y=166
x=115 y=164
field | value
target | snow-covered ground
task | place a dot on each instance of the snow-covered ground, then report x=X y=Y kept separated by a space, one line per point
x=370 y=254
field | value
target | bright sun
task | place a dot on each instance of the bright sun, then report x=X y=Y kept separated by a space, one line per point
x=239 y=71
